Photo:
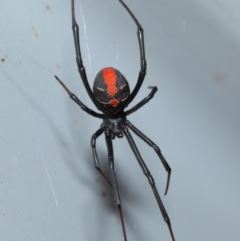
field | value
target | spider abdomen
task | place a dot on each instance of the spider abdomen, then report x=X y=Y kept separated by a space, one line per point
x=111 y=90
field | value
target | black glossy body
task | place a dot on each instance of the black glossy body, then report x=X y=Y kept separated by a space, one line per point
x=104 y=98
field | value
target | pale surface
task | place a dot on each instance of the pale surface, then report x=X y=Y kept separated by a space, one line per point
x=49 y=189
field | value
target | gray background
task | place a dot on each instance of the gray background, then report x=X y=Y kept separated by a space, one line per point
x=49 y=189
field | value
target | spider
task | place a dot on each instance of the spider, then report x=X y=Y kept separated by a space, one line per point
x=111 y=95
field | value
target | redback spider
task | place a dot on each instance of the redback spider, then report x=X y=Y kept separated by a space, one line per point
x=111 y=95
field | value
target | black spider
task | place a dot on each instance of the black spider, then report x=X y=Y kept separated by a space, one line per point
x=111 y=95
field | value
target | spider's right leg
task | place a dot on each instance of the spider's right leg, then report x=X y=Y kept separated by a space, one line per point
x=150 y=179
x=144 y=101
x=116 y=193
x=143 y=61
x=95 y=156
x=156 y=149
x=81 y=68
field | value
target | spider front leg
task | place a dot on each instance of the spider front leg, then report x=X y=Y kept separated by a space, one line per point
x=80 y=65
x=143 y=61
x=156 y=149
x=150 y=179
x=116 y=193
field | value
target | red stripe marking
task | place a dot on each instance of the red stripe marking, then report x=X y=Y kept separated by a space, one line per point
x=110 y=78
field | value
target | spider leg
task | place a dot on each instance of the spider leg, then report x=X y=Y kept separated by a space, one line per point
x=144 y=101
x=156 y=149
x=95 y=156
x=116 y=193
x=76 y=100
x=143 y=62
x=81 y=68
x=150 y=179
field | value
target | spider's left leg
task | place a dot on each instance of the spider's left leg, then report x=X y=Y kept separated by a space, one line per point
x=79 y=102
x=80 y=65
x=150 y=179
x=156 y=149
x=95 y=156
x=116 y=193
x=144 y=101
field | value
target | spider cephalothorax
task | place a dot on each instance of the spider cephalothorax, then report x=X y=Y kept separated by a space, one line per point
x=111 y=95
x=114 y=127
x=111 y=90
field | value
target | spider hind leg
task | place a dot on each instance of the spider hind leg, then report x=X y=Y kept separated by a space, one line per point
x=156 y=149
x=113 y=182
x=116 y=193
x=150 y=180
x=95 y=156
